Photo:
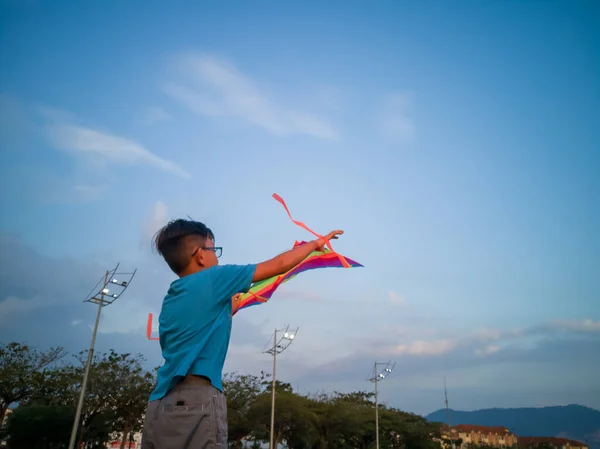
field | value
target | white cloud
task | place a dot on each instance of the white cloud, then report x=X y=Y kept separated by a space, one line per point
x=394 y=120
x=420 y=347
x=488 y=334
x=220 y=89
x=158 y=218
x=395 y=298
x=107 y=147
x=479 y=341
x=13 y=304
x=487 y=350
x=154 y=115
x=585 y=326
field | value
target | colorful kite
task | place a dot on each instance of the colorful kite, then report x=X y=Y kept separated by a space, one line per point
x=262 y=291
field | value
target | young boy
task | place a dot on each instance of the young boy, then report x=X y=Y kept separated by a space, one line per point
x=187 y=409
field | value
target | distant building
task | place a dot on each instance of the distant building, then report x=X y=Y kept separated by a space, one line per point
x=468 y=435
x=117 y=438
x=553 y=442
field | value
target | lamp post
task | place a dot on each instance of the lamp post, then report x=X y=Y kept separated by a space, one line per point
x=286 y=338
x=377 y=376
x=101 y=294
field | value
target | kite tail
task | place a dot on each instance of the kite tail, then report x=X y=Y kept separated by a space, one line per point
x=303 y=226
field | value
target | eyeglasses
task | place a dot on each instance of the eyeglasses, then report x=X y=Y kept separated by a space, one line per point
x=218 y=250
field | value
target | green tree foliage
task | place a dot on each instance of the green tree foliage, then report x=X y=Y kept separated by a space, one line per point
x=116 y=396
x=118 y=390
x=338 y=421
x=40 y=427
x=20 y=366
x=241 y=391
x=295 y=422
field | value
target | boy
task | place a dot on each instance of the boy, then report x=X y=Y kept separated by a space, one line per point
x=187 y=409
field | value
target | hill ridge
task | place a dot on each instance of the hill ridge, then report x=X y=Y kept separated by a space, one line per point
x=572 y=421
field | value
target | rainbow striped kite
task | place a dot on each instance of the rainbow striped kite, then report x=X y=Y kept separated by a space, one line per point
x=262 y=291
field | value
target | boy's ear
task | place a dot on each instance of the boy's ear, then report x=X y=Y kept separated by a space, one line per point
x=199 y=257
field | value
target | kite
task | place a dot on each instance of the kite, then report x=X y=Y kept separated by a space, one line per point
x=262 y=291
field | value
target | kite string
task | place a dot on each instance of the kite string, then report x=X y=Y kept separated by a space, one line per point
x=303 y=226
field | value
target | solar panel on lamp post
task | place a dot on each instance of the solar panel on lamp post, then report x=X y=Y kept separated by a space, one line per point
x=377 y=376
x=101 y=295
x=286 y=339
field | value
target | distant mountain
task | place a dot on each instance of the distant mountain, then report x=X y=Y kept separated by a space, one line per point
x=571 y=421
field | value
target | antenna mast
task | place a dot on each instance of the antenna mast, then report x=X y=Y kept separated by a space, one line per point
x=448 y=414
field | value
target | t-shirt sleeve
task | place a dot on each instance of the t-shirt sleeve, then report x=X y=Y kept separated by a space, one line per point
x=231 y=279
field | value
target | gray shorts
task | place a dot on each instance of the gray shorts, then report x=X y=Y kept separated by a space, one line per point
x=192 y=415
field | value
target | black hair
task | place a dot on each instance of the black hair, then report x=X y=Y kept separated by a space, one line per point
x=176 y=241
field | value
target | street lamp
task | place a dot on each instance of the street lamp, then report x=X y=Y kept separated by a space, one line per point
x=377 y=375
x=108 y=289
x=287 y=337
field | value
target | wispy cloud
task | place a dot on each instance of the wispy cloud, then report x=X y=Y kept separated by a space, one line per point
x=12 y=304
x=63 y=133
x=395 y=298
x=394 y=120
x=424 y=359
x=487 y=350
x=489 y=341
x=581 y=326
x=109 y=147
x=155 y=115
x=218 y=89
x=157 y=219
x=420 y=347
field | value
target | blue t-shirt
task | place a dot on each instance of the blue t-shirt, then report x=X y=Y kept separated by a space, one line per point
x=195 y=324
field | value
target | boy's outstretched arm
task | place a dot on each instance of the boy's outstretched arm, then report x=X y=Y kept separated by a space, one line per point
x=288 y=260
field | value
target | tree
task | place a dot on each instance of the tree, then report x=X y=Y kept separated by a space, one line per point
x=295 y=423
x=130 y=388
x=119 y=387
x=345 y=420
x=52 y=426
x=67 y=383
x=116 y=395
x=241 y=391
x=115 y=400
x=19 y=366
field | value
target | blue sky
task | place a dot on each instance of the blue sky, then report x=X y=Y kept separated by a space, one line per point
x=457 y=144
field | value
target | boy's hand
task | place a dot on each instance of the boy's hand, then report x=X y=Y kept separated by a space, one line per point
x=288 y=260
x=235 y=299
x=333 y=235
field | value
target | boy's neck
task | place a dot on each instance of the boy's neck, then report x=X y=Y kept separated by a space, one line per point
x=191 y=270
